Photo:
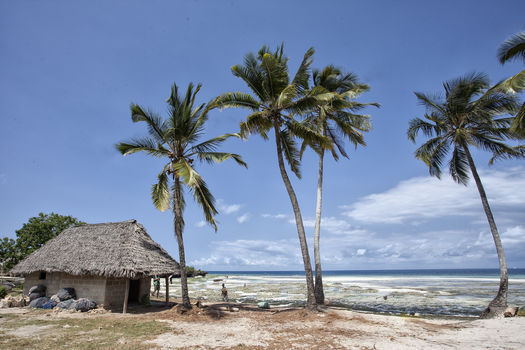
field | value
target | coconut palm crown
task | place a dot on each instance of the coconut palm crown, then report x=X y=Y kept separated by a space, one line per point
x=275 y=102
x=336 y=120
x=176 y=139
x=468 y=116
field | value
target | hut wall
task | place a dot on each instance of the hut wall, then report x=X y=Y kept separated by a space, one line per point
x=92 y=287
x=116 y=289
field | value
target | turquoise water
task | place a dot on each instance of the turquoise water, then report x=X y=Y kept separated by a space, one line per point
x=464 y=292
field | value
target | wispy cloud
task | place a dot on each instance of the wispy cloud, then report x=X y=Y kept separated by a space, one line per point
x=227 y=208
x=244 y=218
x=277 y=216
x=427 y=198
x=201 y=223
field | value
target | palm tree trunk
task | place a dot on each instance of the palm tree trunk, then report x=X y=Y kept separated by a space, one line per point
x=319 y=292
x=310 y=296
x=500 y=301
x=177 y=209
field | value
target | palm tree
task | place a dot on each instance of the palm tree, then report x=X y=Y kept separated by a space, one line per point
x=275 y=101
x=514 y=49
x=175 y=139
x=334 y=120
x=456 y=123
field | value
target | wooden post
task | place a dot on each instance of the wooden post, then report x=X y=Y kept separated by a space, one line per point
x=167 y=290
x=126 y=296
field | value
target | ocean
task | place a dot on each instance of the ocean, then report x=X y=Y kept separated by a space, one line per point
x=459 y=292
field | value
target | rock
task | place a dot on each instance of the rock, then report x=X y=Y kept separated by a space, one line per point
x=521 y=311
x=263 y=305
x=34 y=296
x=511 y=311
x=67 y=304
x=40 y=288
x=85 y=304
x=50 y=304
x=38 y=303
x=3 y=304
x=66 y=294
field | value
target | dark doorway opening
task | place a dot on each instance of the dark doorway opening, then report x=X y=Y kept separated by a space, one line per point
x=134 y=288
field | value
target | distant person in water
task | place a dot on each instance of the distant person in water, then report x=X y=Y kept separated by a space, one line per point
x=156 y=286
x=224 y=292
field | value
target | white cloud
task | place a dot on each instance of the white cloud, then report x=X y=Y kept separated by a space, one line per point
x=228 y=208
x=277 y=216
x=428 y=198
x=361 y=252
x=244 y=218
x=332 y=225
x=201 y=223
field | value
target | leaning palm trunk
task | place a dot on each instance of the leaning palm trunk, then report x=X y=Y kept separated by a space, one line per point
x=500 y=301
x=178 y=233
x=319 y=292
x=310 y=296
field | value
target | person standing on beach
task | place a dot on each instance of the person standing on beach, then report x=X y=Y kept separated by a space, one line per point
x=224 y=292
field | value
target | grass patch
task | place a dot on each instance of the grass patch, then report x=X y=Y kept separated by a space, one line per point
x=79 y=333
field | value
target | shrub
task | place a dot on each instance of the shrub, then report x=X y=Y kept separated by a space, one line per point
x=3 y=292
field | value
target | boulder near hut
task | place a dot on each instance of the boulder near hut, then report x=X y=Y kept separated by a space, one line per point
x=111 y=263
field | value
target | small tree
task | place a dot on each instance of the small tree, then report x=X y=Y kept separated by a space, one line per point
x=33 y=235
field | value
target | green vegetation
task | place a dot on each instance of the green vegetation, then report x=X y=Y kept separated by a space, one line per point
x=33 y=235
x=468 y=116
x=192 y=272
x=3 y=292
x=175 y=139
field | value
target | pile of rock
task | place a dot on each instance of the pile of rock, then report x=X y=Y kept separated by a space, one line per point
x=65 y=299
x=18 y=301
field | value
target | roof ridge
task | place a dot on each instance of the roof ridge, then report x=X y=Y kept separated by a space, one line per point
x=131 y=221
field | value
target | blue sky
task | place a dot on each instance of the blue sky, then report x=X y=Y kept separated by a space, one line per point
x=69 y=70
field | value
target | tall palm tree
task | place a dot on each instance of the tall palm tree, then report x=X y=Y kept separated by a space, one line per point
x=335 y=120
x=176 y=139
x=456 y=123
x=275 y=101
x=514 y=49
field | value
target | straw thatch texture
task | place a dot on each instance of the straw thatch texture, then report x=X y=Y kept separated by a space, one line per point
x=118 y=249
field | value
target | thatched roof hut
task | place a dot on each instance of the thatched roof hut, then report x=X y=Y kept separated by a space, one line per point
x=117 y=251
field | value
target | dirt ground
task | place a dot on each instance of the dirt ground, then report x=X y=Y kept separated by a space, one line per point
x=229 y=326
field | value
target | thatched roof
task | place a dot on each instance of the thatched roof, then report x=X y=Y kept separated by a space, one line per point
x=116 y=249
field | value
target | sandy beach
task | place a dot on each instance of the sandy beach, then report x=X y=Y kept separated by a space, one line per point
x=223 y=326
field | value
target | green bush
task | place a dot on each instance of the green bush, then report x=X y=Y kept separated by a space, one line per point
x=521 y=311
x=3 y=292
x=145 y=300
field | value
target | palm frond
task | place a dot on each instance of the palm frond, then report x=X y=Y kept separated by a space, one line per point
x=518 y=124
x=256 y=123
x=276 y=74
x=236 y=99
x=416 y=125
x=206 y=201
x=300 y=80
x=290 y=152
x=160 y=193
x=145 y=144
x=156 y=127
x=305 y=133
x=432 y=153
x=217 y=157
x=512 y=48
x=211 y=144
x=458 y=166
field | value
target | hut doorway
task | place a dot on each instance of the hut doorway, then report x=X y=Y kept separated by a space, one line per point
x=134 y=290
